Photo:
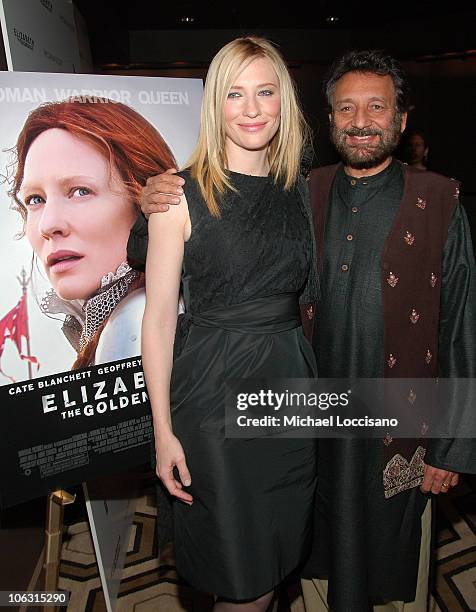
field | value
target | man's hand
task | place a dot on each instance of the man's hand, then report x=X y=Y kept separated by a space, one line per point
x=160 y=192
x=438 y=481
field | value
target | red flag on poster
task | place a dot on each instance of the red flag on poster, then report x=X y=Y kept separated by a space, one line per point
x=14 y=326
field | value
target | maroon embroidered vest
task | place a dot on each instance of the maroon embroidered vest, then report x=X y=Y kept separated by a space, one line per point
x=411 y=263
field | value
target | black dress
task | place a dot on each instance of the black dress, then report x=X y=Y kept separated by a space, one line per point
x=249 y=525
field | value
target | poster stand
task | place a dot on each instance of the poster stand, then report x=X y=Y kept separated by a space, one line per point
x=91 y=423
x=53 y=536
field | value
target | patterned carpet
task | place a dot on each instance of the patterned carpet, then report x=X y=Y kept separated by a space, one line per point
x=455 y=581
x=152 y=585
x=148 y=584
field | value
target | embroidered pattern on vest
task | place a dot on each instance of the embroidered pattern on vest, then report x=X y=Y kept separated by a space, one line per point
x=397 y=305
x=392 y=279
x=310 y=312
x=415 y=345
x=400 y=475
x=388 y=440
x=456 y=194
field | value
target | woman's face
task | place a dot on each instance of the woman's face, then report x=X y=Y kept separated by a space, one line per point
x=78 y=212
x=253 y=108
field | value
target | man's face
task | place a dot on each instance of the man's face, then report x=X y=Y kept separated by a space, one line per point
x=416 y=149
x=365 y=126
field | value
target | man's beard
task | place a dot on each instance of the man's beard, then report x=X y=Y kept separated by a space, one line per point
x=367 y=156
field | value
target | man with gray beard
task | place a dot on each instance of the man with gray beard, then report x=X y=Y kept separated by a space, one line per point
x=398 y=301
x=398 y=282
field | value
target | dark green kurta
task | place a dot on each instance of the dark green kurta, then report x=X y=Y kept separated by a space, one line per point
x=367 y=545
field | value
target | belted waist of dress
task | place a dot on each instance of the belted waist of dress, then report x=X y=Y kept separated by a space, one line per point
x=264 y=315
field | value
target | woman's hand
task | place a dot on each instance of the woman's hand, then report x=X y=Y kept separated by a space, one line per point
x=169 y=453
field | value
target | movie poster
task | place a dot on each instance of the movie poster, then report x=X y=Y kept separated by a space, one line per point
x=75 y=151
x=41 y=35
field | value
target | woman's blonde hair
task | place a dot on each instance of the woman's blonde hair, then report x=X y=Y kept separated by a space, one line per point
x=208 y=162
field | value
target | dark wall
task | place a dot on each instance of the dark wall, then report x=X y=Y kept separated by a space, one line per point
x=444 y=89
x=445 y=109
x=444 y=100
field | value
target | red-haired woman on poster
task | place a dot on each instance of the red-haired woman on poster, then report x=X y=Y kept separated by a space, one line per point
x=80 y=167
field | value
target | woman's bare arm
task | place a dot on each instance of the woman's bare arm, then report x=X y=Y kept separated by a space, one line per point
x=167 y=234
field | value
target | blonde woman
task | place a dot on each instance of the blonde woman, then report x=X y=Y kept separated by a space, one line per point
x=241 y=244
